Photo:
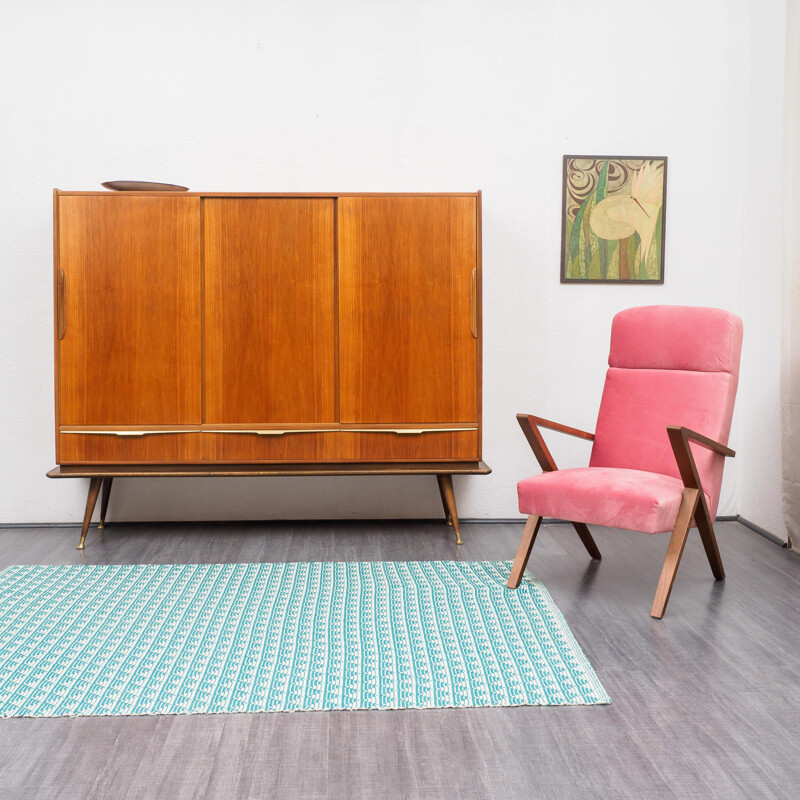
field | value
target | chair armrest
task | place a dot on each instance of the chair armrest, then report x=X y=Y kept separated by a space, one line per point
x=553 y=426
x=530 y=427
x=702 y=440
x=679 y=438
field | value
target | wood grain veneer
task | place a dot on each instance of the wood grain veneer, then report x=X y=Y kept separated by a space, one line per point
x=267 y=334
x=203 y=446
x=268 y=470
x=164 y=448
x=390 y=446
x=406 y=350
x=269 y=310
x=190 y=311
x=130 y=353
x=198 y=446
x=296 y=447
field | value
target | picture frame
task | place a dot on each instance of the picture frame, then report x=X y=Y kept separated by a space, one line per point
x=624 y=241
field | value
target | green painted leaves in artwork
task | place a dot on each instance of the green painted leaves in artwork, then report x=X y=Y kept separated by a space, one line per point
x=588 y=255
x=602 y=184
x=600 y=193
x=654 y=257
x=575 y=237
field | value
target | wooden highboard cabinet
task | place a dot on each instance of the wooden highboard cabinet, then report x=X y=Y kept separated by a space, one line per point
x=215 y=329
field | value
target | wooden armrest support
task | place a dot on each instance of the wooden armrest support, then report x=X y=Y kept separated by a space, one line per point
x=530 y=427
x=553 y=426
x=679 y=438
x=703 y=440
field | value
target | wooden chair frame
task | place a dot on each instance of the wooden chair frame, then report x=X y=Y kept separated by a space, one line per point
x=693 y=505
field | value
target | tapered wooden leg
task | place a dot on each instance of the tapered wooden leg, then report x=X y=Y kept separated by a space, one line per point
x=449 y=503
x=524 y=551
x=91 y=502
x=447 y=518
x=674 y=552
x=706 y=528
x=104 y=501
x=586 y=538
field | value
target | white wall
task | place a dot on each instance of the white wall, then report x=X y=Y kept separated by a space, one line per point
x=760 y=500
x=394 y=96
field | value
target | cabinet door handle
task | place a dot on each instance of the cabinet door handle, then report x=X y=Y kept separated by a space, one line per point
x=473 y=303
x=61 y=320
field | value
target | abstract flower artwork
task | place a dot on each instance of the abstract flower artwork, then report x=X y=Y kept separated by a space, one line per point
x=613 y=219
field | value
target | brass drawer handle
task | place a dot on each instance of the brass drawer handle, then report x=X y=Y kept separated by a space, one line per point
x=128 y=433
x=406 y=431
x=272 y=431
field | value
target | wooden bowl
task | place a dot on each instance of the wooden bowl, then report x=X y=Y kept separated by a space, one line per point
x=143 y=186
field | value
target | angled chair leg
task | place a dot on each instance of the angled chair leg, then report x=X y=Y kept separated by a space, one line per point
x=674 y=552
x=524 y=551
x=586 y=538
x=706 y=528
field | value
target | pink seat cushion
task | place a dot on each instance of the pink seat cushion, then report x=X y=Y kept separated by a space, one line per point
x=618 y=498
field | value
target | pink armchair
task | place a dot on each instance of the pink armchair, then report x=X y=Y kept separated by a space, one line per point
x=673 y=370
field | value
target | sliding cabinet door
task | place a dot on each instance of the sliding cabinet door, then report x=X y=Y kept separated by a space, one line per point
x=407 y=353
x=129 y=310
x=269 y=303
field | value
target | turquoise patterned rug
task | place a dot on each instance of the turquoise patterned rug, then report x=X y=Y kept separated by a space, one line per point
x=218 y=638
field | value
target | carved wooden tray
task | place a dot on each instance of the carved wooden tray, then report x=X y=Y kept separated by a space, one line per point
x=143 y=186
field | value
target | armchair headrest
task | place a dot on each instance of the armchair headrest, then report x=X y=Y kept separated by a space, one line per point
x=676 y=337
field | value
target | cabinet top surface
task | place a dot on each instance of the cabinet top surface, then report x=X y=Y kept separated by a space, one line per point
x=269 y=194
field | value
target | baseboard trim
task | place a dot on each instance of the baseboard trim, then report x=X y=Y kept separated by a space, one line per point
x=761 y=532
x=466 y=521
x=512 y=521
x=14 y=525
x=553 y=521
x=119 y=523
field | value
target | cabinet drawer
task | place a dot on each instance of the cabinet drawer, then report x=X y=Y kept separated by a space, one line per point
x=198 y=446
x=428 y=445
x=244 y=447
x=110 y=448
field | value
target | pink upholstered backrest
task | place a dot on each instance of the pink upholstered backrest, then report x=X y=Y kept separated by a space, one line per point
x=668 y=365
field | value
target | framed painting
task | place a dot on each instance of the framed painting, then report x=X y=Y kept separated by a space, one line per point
x=613 y=219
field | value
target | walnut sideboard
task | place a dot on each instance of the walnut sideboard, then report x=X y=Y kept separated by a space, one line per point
x=207 y=333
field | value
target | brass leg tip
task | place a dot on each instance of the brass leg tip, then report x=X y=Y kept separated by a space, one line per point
x=100 y=526
x=80 y=546
x=448 y=521
x=458 y=540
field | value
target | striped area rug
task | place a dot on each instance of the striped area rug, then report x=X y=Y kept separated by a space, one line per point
x=214 y=638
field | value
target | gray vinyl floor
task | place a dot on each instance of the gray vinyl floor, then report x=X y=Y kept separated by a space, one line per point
x=706 y=702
